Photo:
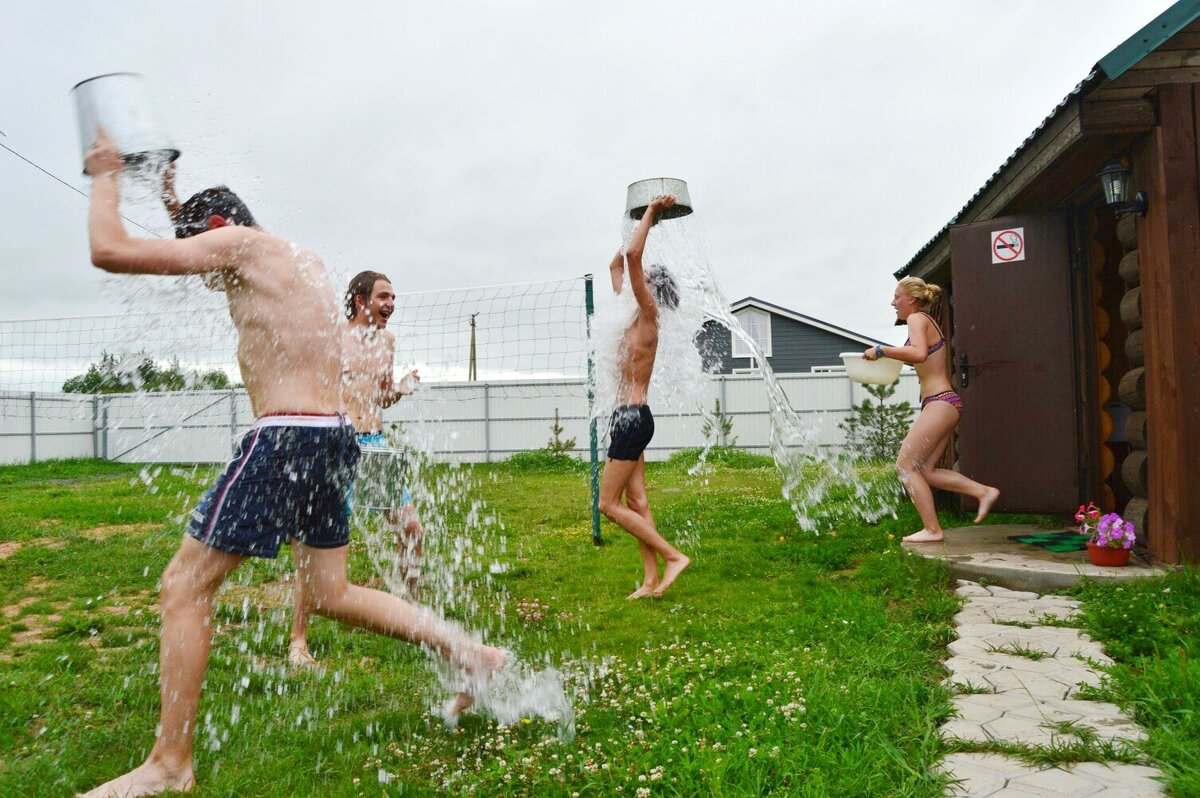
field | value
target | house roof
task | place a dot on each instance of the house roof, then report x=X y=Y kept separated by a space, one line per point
x=769 y=307
x=1110 y=67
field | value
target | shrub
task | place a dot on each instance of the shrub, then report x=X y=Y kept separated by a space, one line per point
x=876 y=429
x=725 y=456
x=544 y=461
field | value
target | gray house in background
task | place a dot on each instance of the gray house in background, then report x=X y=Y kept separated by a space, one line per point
x=792 y=342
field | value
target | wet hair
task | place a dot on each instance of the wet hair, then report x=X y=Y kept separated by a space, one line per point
x=662 y=285
x=193 y=216
x=926 y=294
x=361 y=285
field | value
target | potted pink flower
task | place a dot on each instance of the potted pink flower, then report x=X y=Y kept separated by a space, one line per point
x=1111 y=536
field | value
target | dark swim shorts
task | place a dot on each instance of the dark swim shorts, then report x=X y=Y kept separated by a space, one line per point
x=289 y=480
x=629 y=432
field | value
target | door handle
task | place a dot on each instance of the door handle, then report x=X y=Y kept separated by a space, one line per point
x=962 y=370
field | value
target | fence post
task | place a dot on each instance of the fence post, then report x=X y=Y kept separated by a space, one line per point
x=95 y=427
x=32 y=427
x=724 y=411
x=589 y=307
x=104 y=426
x=487 y=425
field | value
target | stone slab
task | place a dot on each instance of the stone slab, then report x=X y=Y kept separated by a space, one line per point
x=985 y=552
x=1030 y=698
x=979 y=775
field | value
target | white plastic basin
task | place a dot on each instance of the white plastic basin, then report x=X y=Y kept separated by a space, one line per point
x=882 y=371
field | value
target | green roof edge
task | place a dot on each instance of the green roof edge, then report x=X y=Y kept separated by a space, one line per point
x=1146 y=40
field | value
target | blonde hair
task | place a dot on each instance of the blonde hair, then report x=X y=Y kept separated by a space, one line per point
x=926 y=294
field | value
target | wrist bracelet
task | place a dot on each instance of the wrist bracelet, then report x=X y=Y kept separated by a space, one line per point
x=878 y=350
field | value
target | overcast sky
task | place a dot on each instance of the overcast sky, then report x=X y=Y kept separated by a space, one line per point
x=459 y=144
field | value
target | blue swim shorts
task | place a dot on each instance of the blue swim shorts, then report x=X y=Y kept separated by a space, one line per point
x=381 y=465
x=289 y=480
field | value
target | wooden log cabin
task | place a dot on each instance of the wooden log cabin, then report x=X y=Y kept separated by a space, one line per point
x=1075 y=323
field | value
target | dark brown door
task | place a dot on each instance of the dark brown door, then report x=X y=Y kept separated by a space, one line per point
x=1015 y=361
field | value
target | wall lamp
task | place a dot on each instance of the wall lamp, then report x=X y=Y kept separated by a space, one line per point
x=1115 y=179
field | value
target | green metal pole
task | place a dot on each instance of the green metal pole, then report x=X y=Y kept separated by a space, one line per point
x=589 y=305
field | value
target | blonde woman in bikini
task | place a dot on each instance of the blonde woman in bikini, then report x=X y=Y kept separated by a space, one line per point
x=941 y=408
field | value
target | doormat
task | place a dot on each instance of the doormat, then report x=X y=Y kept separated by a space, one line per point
x=1054 y=541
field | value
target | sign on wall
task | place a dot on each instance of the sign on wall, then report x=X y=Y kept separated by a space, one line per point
x=1008 y=246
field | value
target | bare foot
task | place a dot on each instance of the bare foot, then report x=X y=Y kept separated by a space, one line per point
x=985 y=504
x=299 y=656
x=646 y=589
x=147 y=779
x=455 y=707
x=483 y=665
x=671 y=571
x=924 y=536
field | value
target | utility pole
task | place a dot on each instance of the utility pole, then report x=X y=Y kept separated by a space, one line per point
x=472 y=374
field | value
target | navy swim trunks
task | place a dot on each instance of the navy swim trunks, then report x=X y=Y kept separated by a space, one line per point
x=629 y=432
x=289 y=480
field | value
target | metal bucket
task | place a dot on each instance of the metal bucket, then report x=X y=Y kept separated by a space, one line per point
x=642 y=192
x=121 y=103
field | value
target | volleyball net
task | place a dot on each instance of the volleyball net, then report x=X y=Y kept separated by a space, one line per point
x=521 y=331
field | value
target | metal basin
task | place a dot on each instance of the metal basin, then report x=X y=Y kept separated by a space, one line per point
x=641 y=193
x=121 y=103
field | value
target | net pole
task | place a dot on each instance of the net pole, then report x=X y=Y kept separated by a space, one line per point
x=589 y=306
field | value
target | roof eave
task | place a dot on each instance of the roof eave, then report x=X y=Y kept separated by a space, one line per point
x=1119 y=60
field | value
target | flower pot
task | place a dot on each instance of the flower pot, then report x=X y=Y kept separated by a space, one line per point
x=1104 y=556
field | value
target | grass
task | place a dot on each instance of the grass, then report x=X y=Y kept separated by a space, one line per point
x=1018 y=650
x=782 y=663
x=1069 y=748
x=1151 y=627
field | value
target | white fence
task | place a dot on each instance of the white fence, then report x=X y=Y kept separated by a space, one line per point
x=460 y=421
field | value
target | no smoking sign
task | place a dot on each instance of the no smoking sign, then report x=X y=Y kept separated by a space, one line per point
x=1008 y=246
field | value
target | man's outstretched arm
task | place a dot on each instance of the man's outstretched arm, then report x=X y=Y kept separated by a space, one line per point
x=114 y=250
x=637 y=245
x=616 y=270
x=170 y=198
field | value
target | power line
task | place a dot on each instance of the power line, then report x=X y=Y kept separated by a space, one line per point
x=53 y=176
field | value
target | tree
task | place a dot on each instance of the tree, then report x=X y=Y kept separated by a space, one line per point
x=103 y=377
x=110 y=375
x=876 y=429
x=557 y=445
x=720 y=423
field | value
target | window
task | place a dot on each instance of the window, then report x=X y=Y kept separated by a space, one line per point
x=757 y=324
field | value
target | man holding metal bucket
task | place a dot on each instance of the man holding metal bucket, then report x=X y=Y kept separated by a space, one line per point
x=632 y=424
x=289 y=480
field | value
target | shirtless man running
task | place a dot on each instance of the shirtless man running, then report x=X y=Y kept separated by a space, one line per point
x=368 y=386
x=290 y=478
x=632 y=424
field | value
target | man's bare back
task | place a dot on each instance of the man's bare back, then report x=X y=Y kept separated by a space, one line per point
x=286 y=316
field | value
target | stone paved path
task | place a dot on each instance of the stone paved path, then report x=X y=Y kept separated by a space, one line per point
x=1023 y=676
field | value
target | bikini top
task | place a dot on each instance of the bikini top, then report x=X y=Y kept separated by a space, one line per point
x=940 y=342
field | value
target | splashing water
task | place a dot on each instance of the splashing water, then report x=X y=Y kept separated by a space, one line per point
x=463 y=537
x=819 y=483
x=518 y=692
x=463 y=543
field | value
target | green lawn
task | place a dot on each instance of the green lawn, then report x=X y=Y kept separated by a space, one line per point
x=781 y=663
